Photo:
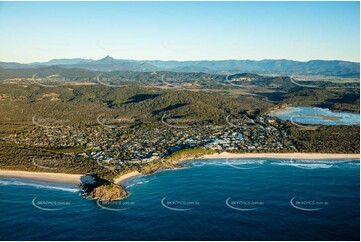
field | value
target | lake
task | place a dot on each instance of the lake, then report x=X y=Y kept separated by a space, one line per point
x=312 y=115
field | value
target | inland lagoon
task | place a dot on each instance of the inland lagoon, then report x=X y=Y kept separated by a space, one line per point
x=320 y=116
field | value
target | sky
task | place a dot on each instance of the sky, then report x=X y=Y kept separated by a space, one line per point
x=40 y=31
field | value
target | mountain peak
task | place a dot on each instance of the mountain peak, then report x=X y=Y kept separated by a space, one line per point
x=108 y=58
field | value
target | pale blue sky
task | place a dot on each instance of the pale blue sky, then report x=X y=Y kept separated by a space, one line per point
x=40 y=31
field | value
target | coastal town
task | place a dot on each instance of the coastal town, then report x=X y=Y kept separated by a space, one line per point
x=146 y=143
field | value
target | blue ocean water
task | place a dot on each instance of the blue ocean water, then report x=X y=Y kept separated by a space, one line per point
x=238 y=199
x=312 y=115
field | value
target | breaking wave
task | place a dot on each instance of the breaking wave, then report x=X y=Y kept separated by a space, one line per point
x=136 y=182
x=20 y=183
x=226 y=162
x=300 y=163
x=315 y=164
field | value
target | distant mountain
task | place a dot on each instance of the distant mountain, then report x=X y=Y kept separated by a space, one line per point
x=14 y=65
x=73 y=74
x=73 y=61
x=106 y=60
x=191 y=69
x=280 y=67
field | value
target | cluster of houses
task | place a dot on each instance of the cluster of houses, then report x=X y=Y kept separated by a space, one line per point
x=148 y=143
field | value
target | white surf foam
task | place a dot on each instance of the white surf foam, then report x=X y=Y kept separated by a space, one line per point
x=21 y=183
x=227 y=162
x=304 y=165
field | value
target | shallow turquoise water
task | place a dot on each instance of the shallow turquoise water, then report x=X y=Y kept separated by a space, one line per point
x=238 y=199
x=311 y=115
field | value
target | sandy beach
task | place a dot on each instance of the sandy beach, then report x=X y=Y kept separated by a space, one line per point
x=43 y=176
x=305 y=156
x=224 y=155
x=122 y=179
x=75 y=179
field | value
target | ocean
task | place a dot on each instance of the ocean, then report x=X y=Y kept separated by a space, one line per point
x=238 y=199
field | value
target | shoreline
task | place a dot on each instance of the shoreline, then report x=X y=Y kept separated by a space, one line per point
x=76 y=179
x=225 y=155
x=305 y=156
x=43 y=176
x=123 y=178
